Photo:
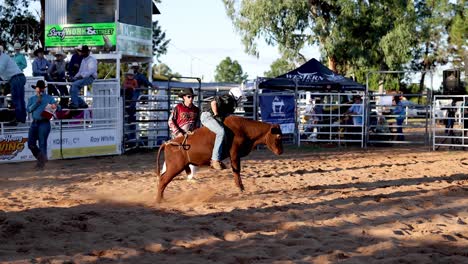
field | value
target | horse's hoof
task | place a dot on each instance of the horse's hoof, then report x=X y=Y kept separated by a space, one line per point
x=241 y=188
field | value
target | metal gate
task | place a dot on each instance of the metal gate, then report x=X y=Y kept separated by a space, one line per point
x=397 y=123
x=144 y=118
x=331 y=117
x=450 y=121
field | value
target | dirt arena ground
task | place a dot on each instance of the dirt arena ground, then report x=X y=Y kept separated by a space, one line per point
x=306 y=206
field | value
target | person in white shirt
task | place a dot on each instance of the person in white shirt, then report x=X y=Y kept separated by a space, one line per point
x=85 y=76
x=11 y=73
x=356 y=110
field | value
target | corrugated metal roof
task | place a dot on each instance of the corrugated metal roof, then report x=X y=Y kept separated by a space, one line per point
x=56 y=12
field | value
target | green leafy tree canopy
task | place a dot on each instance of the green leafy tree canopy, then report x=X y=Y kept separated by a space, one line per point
x=230 y=71
x=279 y=67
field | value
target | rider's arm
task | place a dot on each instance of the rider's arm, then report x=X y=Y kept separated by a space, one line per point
x=214 y=107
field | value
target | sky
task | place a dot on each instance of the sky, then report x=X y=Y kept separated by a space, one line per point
x=202 y=35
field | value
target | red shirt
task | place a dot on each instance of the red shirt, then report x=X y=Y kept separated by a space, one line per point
x=130 y=84
x=184 y=118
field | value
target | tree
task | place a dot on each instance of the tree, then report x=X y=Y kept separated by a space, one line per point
x=162 y=69
x=430 y=47
x=159 y=41
x=230 y=71
x=18 y=25
x=279 y=67
x=352 y=34
x=458 y=33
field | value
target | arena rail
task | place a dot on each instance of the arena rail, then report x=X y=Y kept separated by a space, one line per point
x=450 y=122
x=94 y=130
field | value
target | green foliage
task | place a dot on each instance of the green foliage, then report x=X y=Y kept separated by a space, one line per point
x=18 y=24
x=230 y=71
x=279 y=67
x=159 y=41
x=352 y=34
x=163 y=70
x=458 y=33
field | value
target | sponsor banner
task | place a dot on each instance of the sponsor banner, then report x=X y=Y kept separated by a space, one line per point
x=287 y=128
x=14 y=148
x=84 y=143
x=278 y=109
x=98 y=36
x=134 y=40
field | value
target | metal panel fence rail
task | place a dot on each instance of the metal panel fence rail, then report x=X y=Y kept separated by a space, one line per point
x=398 y=119
x=450 y=122
x=145 y=118
x=331 y=117
x=94 y=129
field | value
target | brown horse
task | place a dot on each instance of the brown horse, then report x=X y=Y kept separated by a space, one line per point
x=196 y=149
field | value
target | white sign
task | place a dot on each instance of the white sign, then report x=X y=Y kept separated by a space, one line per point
x=287 y=128
x=14 y=147
x=85 y=143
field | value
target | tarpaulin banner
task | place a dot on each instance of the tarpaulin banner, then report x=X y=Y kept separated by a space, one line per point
x=99 y=35
x=278 y=109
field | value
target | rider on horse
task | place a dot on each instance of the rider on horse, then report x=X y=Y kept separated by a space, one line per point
x=213 y=118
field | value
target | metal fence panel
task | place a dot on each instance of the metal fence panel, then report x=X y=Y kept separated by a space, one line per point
x=450 y=121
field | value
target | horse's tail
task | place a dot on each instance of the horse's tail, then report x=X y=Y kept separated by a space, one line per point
x=158 y=172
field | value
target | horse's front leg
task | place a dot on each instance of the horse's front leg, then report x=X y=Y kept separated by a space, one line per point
x=235 y=164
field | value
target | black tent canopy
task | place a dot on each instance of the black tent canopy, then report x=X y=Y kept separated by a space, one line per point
x=312 y=75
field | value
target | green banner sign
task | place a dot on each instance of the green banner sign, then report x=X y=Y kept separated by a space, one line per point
x=102 y=35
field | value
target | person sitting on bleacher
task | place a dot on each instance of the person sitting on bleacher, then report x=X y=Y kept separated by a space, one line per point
x=85 y=76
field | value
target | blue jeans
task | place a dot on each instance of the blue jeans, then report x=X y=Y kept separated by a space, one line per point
x=399 y=122
x=17 y=96
x=76 y=87
x=213 y=125
x=39 y=131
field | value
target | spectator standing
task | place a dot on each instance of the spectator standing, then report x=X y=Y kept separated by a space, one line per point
x=40 y=126
x=143 y=82
x=11 y=73
x=129 y=86
x=400 y=112
x=19 y=57
x=85 y=76
x=40 y=64
x=356 y=110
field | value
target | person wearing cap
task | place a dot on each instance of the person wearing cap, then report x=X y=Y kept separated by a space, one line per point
x=400 y=113
x=143 y=82
x=213 y=117
x=57 y=72
x=19 y=57
x=40 y=64
x=356 y=110
x=75 y=61
x=11 y=73
x=85 y=76
x=130 y=85
x=185 y=117
x=40 y=126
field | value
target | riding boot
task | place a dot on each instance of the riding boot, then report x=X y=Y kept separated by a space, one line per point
x=217 y=165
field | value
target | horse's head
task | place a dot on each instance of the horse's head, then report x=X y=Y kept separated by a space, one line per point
x=274 y=139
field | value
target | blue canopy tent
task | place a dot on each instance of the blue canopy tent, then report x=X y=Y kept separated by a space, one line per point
x=312 y=75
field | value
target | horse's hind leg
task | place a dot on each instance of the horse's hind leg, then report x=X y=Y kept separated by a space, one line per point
x=171 y=171
x=235 y=164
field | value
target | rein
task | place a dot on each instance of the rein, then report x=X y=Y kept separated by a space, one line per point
x=183 y=145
